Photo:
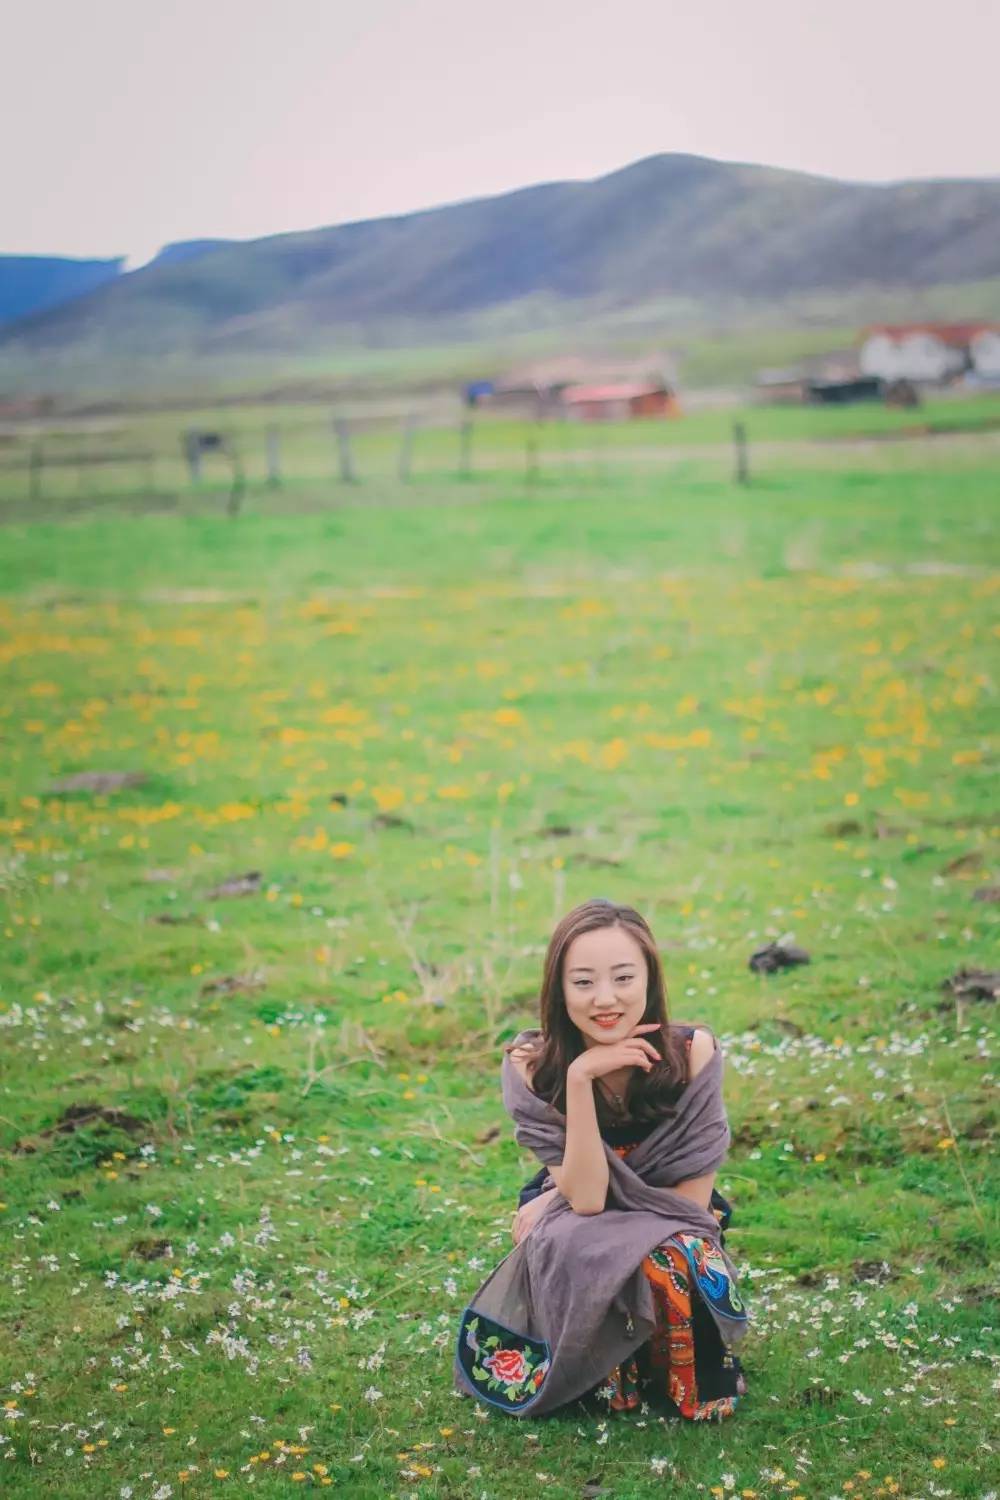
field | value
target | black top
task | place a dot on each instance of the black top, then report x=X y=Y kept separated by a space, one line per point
x=627 y=1133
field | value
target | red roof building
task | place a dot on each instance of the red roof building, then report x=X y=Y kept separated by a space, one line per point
x=618 y=402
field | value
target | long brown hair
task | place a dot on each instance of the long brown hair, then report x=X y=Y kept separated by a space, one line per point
x=650 y=1095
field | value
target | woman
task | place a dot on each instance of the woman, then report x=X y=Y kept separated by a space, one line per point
x=618 y=1285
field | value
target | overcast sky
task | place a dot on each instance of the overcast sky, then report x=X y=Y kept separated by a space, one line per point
x=126 y=125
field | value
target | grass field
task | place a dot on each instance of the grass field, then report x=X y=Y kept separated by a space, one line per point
x=253 y=1159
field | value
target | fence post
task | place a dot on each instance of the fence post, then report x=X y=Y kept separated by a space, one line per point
x=406 y=447
x=238 y=487
x=343 y=432
x=531 y=456
x=192 y=453
x=36 y=459
x=273 y=443
x=742 y=453
x=465 y=449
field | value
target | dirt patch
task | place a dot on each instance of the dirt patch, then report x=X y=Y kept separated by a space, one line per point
x=964 y=864
x=777 y=1023
x=237 y=885
x=843 y=828
x=81 y=1117
x=152 y=1249
x=235 y=984
x=815 y=1395
x=874 y=1272
x=390 y=820
x=95 y=783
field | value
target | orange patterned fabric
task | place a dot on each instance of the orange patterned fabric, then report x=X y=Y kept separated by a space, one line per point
x=672 y=1346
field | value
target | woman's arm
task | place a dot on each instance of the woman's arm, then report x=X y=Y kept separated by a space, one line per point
x=698 y=1189
x=583 y=1175
x=528 y=1215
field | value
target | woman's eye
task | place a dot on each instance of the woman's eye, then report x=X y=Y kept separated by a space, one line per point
x=620 y=980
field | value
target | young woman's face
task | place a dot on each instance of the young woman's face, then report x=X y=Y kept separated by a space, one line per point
x=604 y=984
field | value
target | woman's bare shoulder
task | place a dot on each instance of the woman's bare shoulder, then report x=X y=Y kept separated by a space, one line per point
x=703 y=1045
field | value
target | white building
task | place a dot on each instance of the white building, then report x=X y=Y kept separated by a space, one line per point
x=930 y=352
x=984 y=349
x=921 y=351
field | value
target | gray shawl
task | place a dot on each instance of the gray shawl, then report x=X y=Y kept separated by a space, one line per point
x=575 y=1281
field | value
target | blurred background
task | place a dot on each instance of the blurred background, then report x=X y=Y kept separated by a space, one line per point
x=234 y=243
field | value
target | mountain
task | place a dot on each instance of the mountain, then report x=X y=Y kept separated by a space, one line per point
x=33 y=283
x=180 y=250
x=670 y=226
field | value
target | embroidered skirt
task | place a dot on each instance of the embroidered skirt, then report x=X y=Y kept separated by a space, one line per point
x=684 y=1368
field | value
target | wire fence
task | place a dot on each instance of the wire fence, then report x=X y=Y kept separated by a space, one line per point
x=73 y=470
x=306 y=456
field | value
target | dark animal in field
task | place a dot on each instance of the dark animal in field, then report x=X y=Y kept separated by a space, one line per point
x=974 y=984
x=775 y=956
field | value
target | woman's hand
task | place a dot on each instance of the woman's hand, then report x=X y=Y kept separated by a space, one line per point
x=529 y=1213
x=633 y=1051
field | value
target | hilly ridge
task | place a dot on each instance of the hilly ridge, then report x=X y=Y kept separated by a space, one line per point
x=668 y=226
x=33 y=283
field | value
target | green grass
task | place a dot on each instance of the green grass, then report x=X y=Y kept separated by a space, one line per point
x=755 y=712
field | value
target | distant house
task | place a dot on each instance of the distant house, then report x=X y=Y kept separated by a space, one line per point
x=826 y=377
x=781 y=387
x=845 y=390
x=581 y=387
x=929 y=352
x=525 y=400
x=618 y=403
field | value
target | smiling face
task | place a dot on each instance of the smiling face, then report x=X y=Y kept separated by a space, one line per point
x=604 y=975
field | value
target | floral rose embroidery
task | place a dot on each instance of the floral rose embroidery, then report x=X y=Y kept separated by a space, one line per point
x=507 y=1365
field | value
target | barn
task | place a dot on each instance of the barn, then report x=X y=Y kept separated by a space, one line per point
x=582 y=387
x=619 y=402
